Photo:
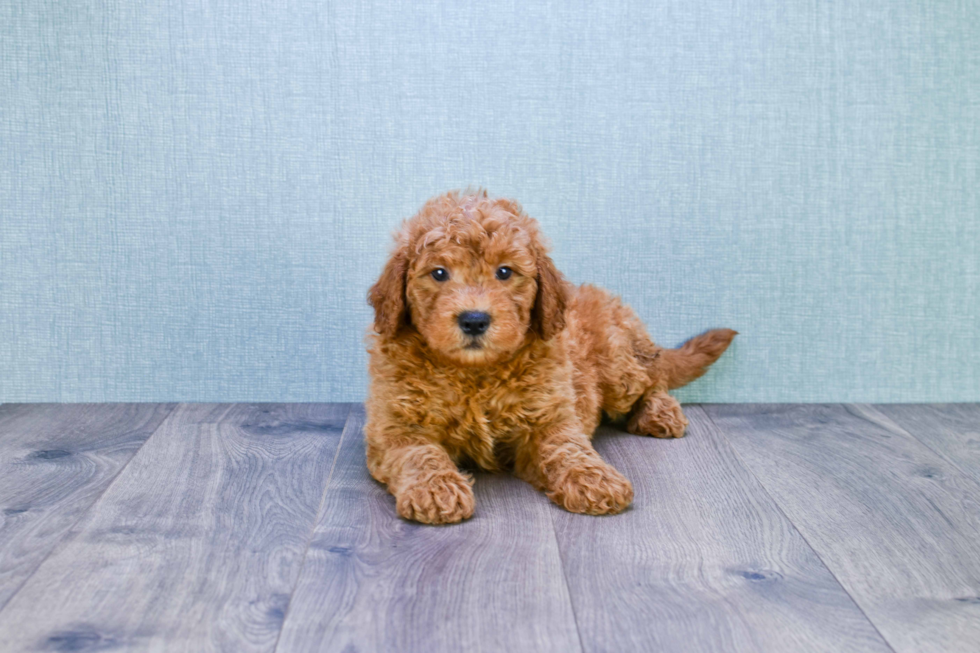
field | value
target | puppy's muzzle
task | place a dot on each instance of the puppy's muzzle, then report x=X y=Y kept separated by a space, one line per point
x=474 y=323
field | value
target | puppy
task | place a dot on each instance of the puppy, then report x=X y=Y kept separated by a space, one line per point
x=485 y=356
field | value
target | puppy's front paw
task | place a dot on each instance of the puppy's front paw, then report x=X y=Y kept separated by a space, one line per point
x=659 y=415
x=443 y=499
x=593 y=490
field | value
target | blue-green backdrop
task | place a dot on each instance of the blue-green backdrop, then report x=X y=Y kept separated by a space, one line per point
x=195 y=195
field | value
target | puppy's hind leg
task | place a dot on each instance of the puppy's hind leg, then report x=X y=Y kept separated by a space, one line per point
x=657 y=414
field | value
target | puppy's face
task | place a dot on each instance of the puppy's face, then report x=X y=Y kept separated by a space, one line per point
x=475 y=279
x=471 y=295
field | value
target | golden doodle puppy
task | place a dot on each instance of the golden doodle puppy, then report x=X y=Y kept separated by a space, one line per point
x=484 y=355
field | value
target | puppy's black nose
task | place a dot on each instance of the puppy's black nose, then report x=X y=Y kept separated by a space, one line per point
x=473 y=323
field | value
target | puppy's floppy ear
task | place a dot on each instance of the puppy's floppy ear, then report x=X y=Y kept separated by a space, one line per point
x=548 y=314
x=387 y=296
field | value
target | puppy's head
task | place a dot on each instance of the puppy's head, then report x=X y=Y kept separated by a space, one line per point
x=471 y=275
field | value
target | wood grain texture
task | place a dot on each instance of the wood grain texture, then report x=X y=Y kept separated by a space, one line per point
x=702 y=561
x=374 y=582
x=198 y=543
x=55 y=461
x=951 y=430
x=897 y=524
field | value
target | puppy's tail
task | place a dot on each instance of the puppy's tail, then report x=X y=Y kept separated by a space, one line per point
x=691 y=360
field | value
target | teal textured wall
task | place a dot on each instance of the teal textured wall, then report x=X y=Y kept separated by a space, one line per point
x=195 y=196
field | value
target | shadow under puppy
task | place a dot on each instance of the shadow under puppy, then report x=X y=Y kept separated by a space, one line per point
x=484 y=355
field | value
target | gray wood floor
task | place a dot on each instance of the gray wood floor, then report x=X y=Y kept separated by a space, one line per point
x=255 y=527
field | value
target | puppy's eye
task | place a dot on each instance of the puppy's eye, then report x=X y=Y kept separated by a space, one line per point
x=504 y=272
x=440 y=274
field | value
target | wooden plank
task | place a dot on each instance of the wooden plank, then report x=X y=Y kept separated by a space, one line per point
x=897 y=524
x=951 y=430
x=55 y=461
x=374 y=582
x=702 y=561
x=198 y=543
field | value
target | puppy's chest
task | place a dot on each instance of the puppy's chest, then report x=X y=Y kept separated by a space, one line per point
x=478 y=406
x=484 y=418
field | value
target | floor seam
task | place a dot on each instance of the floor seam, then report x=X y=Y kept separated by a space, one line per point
x=891 y=422
x=564 y=577
x=316 y=521
x=71 y=534
x=778 y=507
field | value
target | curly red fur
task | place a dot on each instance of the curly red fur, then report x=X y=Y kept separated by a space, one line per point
x=528 y=393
